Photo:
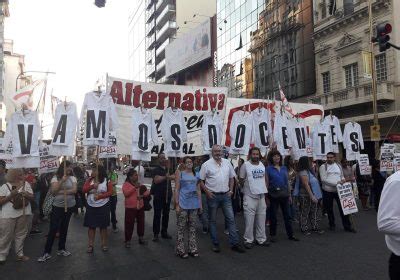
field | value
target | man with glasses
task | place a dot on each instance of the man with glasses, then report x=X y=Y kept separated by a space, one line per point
x=331 y=174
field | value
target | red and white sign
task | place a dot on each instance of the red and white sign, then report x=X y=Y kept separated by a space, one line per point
x=48 y=163
x=363 y=163
x=347 y=199
x=396 y=162
x=387 y=156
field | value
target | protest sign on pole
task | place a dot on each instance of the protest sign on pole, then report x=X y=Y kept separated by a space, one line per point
x=386 y=158
x=109 y=151
x=363 y=163
x=347 y=199
x=396 y=162
x=48 y=163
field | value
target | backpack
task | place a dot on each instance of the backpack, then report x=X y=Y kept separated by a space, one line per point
x=18 y=201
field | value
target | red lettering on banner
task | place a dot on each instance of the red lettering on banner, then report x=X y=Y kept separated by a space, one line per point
x=149 y=99
x=187 y=104
x=174 y=99
x=136 y=96
x=128 y=94
x=197 y=103
x=212 y=97
x=205 y=100
x=348 y=203
x=221 y=104
x=116 y=92
x=161 y=100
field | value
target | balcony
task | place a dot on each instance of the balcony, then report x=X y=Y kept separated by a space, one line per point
x=354 y=96
x=161 y=48
x=166 y=31
x=161 y=4
x=150 y=56
x=150 y=15
x=149 y=43
x=161 y=65
x=150 y=28
x=150 y=70
x=149 y=4
x=167 y=13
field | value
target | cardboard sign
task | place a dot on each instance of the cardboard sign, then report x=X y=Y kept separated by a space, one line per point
x=363 y=162
x=109 y=151
x=396 y=162
x=48 y=163
x=386 y=158
x=347 y=199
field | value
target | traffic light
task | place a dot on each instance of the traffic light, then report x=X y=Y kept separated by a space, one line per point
x=100 y=3
x=382 y=37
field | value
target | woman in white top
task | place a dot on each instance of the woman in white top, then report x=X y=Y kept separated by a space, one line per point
x=63 y=188
x=15 y=219
x=97 y=215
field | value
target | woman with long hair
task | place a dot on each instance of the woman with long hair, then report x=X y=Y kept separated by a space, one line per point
x=97 y=214
x=279 y=194
x=134 y=193
x=187 y=205
x=63 y=187
x=309 y=194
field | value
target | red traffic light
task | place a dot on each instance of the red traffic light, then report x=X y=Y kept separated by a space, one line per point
x=383 y=29
x=388 y=28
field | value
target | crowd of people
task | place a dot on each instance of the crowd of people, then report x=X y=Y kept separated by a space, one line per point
x=304 y=191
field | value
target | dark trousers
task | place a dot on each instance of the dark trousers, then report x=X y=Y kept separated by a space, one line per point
x=282 y=202
x=328 y=198
x=80 y=201
x=161 y=206
x=377 y=198
x=59 y=221
x=132 y=215
x=113 y=207
x=394 y=267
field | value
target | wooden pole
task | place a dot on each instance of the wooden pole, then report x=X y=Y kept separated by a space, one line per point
x=23 y=199
x=65 y=190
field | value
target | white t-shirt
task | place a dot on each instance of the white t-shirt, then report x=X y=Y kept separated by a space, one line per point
x=254 y=175
x=216 y=176
x=7 y=210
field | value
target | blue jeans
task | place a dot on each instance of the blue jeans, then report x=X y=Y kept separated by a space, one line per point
x=204 y=215
x=224 y=201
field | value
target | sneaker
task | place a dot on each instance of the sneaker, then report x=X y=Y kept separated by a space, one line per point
x=238 y=248
x=293 y=238
x=226 y=231
x=63 y=253
x=44 y=258
x=266 y=243
x=319 y=231
x=35 y=231
x=307 y=233
x=216 y=248
x=248 y=245
x=166 y=236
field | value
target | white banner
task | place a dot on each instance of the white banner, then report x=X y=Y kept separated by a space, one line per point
x=311 y=113
x=194 y=101
x=347 y=199
x=48 y=163
x=363 y=163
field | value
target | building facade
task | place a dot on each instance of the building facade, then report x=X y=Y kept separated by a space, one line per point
x=269 y=44
x=342 y=65
x=3 y=14
x=137 y=42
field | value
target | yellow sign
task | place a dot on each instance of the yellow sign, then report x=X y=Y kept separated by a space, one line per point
x=375 y=132
x=367 y=68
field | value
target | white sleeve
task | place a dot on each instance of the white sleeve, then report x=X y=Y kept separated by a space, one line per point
x=204 y=131
x=84 y=108
x=232 y=132
x=203 y=172
x=389 y=209
x=8 y=134
x=345 y=136
x=164 y=126
x=154 y=135
x=242 y=172
x=184 y=128
x=232 y=173
x=361 y=137
x=113 y=115
x=38 y=127
x=75 y=114
x=4 y=190
x=338 y=130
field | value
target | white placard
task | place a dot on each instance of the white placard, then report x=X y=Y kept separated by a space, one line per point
x=347 y=199
x=396 y=162
x=363 y=163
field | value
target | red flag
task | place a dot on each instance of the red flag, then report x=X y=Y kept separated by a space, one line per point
x=25 y=95
x=285 y=102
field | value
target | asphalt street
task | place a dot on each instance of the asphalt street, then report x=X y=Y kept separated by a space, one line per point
x=333 y=255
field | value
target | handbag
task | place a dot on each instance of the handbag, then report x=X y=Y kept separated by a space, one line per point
x=48 y=203
x=18 y=200
x=146 y=200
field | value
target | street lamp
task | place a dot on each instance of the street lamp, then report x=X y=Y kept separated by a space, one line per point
x=24 y=72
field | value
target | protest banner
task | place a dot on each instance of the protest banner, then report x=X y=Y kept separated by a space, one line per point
x=347 y=199
x=48 y=162
x=396 y=162
x=363 y=163
x=6 y=153
x=386 y=158
x=109 y=151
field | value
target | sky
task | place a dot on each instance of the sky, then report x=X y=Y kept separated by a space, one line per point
x=73 y=38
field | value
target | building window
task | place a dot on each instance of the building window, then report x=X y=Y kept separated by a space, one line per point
x=351 y=75
x=326 y=82
x=381 y=69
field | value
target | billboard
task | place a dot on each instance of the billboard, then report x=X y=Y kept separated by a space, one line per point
x=189 y=49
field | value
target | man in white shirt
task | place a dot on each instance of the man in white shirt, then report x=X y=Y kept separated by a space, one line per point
x=389 y=221
x=331 y=175
x=217 y=177
x=252 y=177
